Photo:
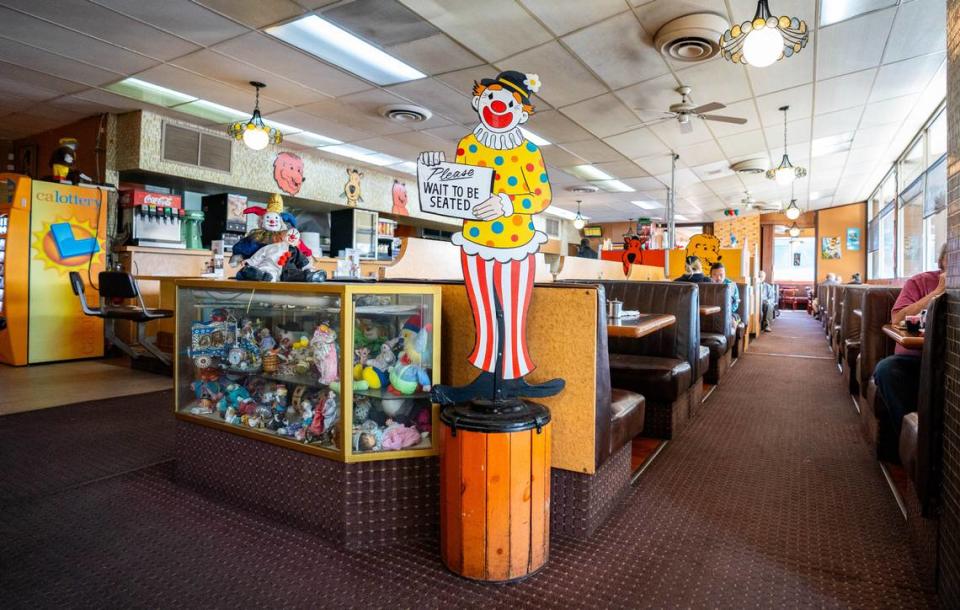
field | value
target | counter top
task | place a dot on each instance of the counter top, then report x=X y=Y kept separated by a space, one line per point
x=180 y=251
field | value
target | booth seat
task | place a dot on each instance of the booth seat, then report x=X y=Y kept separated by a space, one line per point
x=717 y=331
x=874 y=347
x=836 y=317
x=827 y=309
x=666 y=366
x=849 y=343
x=746 y=293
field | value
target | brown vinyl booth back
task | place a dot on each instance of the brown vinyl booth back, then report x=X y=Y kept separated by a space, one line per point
x=720 y=323
x=836 y=307
x=929 y=458
x=682 y=340
x=746 y=293
x=874 y=344
x=850 y=323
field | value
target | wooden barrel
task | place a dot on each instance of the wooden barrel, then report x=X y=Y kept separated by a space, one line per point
x=495 y=499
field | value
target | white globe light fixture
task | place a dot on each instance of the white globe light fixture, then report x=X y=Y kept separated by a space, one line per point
x=578 y=222
x=794 y=231
x=253 y=132
x=765 y=39
x=793 y=211
x=785 y=173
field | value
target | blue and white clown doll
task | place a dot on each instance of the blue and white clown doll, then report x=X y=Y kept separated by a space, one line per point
x=498 y=247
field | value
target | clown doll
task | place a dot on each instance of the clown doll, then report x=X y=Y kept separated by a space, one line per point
x=272 y=229
x=498 y=247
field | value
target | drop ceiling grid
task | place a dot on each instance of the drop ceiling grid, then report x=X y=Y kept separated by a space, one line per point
x=551 y=36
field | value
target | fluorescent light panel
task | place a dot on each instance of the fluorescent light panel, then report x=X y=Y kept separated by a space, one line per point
x=831 y=144
x=562 y=213
x=534 y=137
x=150 y=93
x=341 y=48
x=589 y=172
x=680 y=217
x=212 y=111
x=407 y=167
x=647 y=205
x=614 y=186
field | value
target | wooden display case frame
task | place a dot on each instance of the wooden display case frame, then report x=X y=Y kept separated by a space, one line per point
x=346 y=291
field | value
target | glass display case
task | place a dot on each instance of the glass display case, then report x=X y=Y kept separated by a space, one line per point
x=343 y=370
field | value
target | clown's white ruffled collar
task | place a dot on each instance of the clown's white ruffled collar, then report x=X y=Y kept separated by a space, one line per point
x=499 y=141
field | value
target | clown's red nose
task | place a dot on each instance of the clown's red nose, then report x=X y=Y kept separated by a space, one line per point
x=498 y=106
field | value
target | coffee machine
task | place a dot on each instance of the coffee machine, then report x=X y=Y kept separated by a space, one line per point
x=151 y=219
x=223 y=219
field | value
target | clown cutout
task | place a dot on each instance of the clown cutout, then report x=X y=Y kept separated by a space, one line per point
x=498 y=246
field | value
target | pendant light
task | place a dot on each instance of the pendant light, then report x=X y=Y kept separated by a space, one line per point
x=793 y=210
x=254 y=132
x=765 y=39
x=578 y=222
x=794 y=230
x=786 y=172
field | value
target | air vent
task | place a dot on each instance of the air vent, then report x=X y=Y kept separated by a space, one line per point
x=583 y=188
x=193 y=147
x=691 y=38
x=405 y=113
x=751 y=166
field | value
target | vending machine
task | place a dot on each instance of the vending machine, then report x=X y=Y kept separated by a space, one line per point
x=47 y=230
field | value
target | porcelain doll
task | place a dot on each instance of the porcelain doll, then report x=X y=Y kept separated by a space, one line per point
x=254 y=421
x=267 y=342
x=397 y=436
x=306 y=412
x=366 y=437
x=324 y=344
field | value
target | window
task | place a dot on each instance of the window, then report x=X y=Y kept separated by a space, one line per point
x=794 y=259
x=553 y=227
x=887 y=258
x=937 y=138
x=910 y=229
x=935 y=230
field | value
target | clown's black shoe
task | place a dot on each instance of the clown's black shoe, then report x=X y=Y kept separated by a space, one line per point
x=481 y=388
x=519 y=388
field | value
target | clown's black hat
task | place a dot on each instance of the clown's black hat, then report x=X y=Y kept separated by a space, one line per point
x=514 y=81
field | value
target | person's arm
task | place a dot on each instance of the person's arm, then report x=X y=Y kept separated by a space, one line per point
x=912 y=309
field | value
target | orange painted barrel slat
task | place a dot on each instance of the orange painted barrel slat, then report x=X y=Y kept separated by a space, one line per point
x=496 y=491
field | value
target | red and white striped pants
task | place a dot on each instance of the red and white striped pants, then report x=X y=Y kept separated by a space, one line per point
x=512 y=283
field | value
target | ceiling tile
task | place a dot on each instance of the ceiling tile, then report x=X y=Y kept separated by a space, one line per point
x=383 y=22
x=593 y=150
x=716 y=80
x=276 y=57
x=565 y=80
x=926 y=16
x=439 y=98
x=712 y=172
x=556 y=156
x=603 y=115
x=453 y=131
x=833 y=123
x=893 y=110
x=107 y=25
x=319 y=125
x=180 y=17
x=237 y=74
x=744 y=145
x=362 y=109
x=875 y=136
x=423 y=141
x=462 y=80
x=799 y=99
x=618 y=51
x=828 y=164
x=853 y=45
x=653 y=15
x=745 y=110
x=905 y=77
x=34 y=85
x=649 y=184
x=391 y=146
x=563 y=16
x=55 y=39
x=201 y=87
x=637 y=143
x=622 y=169
x=684 y=177
x=669 y=132
x=492 y=29
x=657 y=164
x=81 y=103
x=434 y=54
x=255 y=14
x=42 y=61
x=843 y=91
x=555 y=127
x=784 y=74
x=651 y=98
x=700 y=153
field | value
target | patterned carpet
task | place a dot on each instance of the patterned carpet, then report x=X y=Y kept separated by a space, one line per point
x=768 y=499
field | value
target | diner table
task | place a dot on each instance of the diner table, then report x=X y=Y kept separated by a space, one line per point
x=709 y=310
x=641 y=326
x=904 y=337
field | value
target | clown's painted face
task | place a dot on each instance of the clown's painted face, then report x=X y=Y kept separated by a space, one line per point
x=272 y=222
x=293 y=237
x=499 y=110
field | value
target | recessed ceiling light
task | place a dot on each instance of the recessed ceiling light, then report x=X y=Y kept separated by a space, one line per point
x=589 y=172
x=150 y=93
x=614 y=186
x=831 y=144
x=341 y=48
x=561 y=213
x=407 y=167
x=534 y=137
x=647 y=205
x=308 y=138
x=680 y=217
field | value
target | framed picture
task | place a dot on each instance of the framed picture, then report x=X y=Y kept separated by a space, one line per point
x=796 y=259
x=853 y=239
x=830 y=248
x=27 y=160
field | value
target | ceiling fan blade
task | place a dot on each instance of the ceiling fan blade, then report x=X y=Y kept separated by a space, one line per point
x=708 y=108
x=652 y=111
x=723 y=119
x=686 y=127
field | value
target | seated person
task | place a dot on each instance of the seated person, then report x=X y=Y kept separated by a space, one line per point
x=898 y=376
x=718 y=275
x=692 y=271
x=831 y=280
x=768 y=302
x=585 y=251
x=855 y=279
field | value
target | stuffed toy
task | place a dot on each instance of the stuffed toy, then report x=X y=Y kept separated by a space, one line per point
x=280 y=261
x=409 y=374
x=325 y=357
x=376 y=372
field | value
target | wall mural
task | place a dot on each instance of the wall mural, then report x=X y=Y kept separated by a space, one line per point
x=498 y=239
x=288 y=172
x=351 y=190
x=706 y=248
x=399 y=193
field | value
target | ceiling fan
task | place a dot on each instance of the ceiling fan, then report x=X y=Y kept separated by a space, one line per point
x=750 y=204
x=685 y=109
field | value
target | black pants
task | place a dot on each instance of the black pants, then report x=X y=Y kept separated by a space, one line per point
x=898 y=383
x=766 y=314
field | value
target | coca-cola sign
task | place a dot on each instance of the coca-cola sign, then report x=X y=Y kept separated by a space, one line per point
x=135 y=197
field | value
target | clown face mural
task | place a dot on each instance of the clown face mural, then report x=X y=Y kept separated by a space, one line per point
x=499 y=244
x=288 y=172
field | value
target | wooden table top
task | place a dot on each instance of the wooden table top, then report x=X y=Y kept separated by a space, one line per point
x=709 y=310
x=903 y=337
x=646 y=324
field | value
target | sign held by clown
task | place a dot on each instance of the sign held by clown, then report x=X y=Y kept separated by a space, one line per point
x=501 y=183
